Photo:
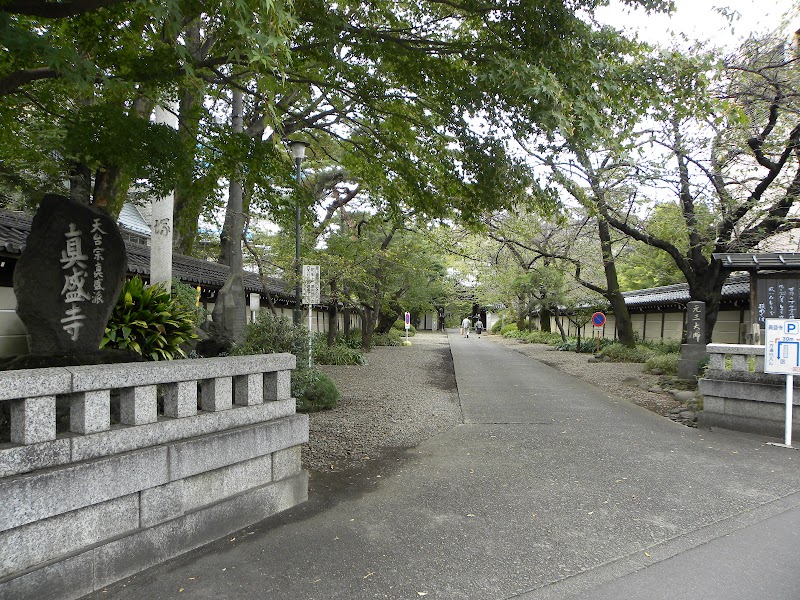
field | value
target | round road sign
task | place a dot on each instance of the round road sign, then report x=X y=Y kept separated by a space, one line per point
x=598 y=319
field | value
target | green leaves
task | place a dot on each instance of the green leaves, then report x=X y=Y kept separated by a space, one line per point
x=149 y=322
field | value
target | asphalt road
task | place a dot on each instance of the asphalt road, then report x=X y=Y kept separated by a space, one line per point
x=549 y=489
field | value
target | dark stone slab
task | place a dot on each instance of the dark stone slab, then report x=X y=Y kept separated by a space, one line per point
x=69 y=277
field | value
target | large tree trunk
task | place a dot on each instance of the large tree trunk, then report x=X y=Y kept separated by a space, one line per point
x=229 y=310
x=366 y=328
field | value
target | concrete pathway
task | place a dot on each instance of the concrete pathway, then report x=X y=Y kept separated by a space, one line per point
x=550 y=489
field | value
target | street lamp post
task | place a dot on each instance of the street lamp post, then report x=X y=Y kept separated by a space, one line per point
x=298 y=150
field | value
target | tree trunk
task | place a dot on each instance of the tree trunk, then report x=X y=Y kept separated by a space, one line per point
x=80 y=183
x=560 y=325
x=545 y=314
x=614 y=295
x=229 y=310
x=366 y=328
x=333 y=314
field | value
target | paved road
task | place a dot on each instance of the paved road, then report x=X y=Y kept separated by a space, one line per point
x=549 y=490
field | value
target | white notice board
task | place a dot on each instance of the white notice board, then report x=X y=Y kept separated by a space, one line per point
x=782 y=346
x=311 y=284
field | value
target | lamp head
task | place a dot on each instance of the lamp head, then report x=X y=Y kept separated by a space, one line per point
x=297 y=148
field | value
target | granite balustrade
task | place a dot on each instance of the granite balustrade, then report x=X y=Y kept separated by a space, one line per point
x=195 y=450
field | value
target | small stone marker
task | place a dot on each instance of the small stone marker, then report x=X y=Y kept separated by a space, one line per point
x=69 y=277
x=694 y=350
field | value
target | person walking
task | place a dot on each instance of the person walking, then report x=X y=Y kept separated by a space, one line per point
x=479 y=327
x=465 y=324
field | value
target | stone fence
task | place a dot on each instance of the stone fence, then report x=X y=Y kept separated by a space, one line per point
x=154 y=459
x=738 y=395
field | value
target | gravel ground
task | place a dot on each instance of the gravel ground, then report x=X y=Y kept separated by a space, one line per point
x=401 y=397
x=405 y=395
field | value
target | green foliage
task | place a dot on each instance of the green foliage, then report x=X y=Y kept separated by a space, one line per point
x=617 y=352
x=313 y=390
x=588 y=345
x=187 y=298
x=271 y=334
x=400 y=325
x=668 y=363
x=338 y=354
x=149 y=322
x=541 y=337
x=508 y=330
x=390 y=338
x=497 y=327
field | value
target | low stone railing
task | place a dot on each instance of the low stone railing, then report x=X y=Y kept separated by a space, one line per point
x=222 y=453
x=738 y=395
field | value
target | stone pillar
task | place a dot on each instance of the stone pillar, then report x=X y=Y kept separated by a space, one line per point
x=694 y=350
x=161 y=225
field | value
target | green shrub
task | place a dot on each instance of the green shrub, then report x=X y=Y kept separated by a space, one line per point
x=148 y=321
x=313 y=390
x=617 y=352
x=400 y=325
x=338 y=354
x=542 y=337
x=187 y=298
x=392 y=338
x=351 y=340
x=588 y=345
x=270 y=334
x=508 y=329
x=497 y=327
x=663 y=346
x=668 y=363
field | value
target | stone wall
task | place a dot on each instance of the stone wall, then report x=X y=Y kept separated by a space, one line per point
x=738 y=395
x=202 y=448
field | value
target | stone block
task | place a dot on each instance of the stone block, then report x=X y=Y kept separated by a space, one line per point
x=35 y=496
x=124 y=439
x=161 y=503
x=33 y=420
x=58 y=536
x=198 y=455
x=248 y=389
x=141 y=550
x=28 y=383
x=138 y=405
x=216 y=394
x=286 y=463
x=277 y=385
x=180 y=399
x=90 y=412
x=220 y=484
x=23 y=459
x=69 y=579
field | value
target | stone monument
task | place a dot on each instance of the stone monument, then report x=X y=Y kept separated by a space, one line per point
x=69 y=277
x=694 y=350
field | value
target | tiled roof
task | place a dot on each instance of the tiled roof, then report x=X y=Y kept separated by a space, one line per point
x=737 y=287
x=743 y=261
x=14 y=229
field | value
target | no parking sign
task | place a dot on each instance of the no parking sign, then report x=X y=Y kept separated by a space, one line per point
x=598 y=319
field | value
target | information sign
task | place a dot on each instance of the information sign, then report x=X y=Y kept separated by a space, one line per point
x=408 y=320
x=311 y=284
x=782 y=346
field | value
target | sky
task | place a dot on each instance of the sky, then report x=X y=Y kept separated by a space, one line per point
x=699 y=21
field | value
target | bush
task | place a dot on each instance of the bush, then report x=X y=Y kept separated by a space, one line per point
x=271 y=334
x=148 y=321
x=338 y=354
x=351 y=340
x=509 y=329
x=542 y=337
x=497 y=327
x=186 y=297
x=313 y=390
x=668 y=363
x=400 y=325
x=588 y=345
x=392 y=338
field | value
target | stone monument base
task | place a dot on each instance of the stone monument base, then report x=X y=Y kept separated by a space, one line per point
x=691 y=357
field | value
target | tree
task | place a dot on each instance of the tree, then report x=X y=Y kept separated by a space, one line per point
x=732 y=155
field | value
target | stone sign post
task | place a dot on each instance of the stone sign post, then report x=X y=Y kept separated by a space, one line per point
x=694 y=350
x=69 y=277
